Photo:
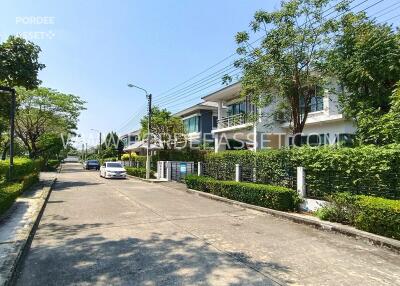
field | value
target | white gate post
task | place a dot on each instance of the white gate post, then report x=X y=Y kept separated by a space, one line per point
x=169 y=170
x=301 y=182
x=199 y=169
x=237 y=173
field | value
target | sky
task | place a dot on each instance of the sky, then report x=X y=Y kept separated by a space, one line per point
x=94 y=48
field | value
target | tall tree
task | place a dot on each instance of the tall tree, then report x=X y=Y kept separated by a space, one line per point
x=112 y=146
x=19 y=66
x=45 y=113
x=366 y=60
x=166 y=129
x=288 y=67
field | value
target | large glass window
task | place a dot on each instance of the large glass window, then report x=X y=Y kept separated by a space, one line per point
x=316 y=104
x=192 y=124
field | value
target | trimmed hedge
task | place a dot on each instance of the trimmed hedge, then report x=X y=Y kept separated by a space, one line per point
x=364 y=170
x=22 y=168
x=10 y=191
x=274 y=197
x=376 y=215
x=138 y=172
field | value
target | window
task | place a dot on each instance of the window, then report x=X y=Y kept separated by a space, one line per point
x=192 y=124
x=237 y=108
x=133 y=138
x=215 y=121
x=316 y=104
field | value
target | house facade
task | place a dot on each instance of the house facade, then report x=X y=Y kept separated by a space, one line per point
x=238 y=128
x=199 y=121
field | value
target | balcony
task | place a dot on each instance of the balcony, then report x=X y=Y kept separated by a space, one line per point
x=233 y=120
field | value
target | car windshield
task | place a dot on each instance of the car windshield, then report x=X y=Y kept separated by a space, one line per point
x=93 y=161
x=114 y=165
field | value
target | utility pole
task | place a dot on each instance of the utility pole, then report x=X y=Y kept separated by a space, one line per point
x=148 y=137
x=12 y=126
x=149 y=98
x=85 y=151
x=12 y=131
x=100 y=142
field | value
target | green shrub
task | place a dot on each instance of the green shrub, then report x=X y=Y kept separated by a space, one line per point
x=365 y=170
x=138 y=172
x=10 y=191
x=372 y=214
x=22 y=168
x=274 y=197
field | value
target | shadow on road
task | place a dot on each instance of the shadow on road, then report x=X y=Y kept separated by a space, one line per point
x=92 y=258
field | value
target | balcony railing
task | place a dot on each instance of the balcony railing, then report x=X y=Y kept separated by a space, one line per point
x=233 y=120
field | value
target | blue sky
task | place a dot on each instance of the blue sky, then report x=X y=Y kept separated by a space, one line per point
x=94 y=48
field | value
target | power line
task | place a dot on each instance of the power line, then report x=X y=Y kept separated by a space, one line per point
x=198 y=86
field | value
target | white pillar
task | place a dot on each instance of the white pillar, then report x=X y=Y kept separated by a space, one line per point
x=237 y=173
x=301 y=182
x=169 y=170
x=220 y=104
x=199 y=169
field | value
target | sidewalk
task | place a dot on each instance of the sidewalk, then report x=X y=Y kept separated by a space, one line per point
x=18 y=223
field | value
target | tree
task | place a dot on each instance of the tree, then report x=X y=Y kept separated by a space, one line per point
x=288 y=67
x=43 y=115
x=112 y=147
x=366 y=60
x=165 y=128
x=19 y=63
x=376 y=128
x=19 y=66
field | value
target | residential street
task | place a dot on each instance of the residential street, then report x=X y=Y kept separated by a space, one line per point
x=127 y=232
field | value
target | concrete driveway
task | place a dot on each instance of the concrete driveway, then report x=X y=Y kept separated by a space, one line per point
x=127 y=232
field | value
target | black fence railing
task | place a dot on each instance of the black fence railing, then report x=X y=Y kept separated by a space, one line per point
x=321 y=184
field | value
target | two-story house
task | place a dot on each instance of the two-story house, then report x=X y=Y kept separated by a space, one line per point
x=236 y=122
x=199 y=120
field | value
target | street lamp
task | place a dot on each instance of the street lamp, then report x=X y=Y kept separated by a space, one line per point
x=12 y=125
x=148 y=96
x=99 y=139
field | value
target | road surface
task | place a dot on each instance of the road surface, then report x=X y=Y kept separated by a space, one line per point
x=126 y=232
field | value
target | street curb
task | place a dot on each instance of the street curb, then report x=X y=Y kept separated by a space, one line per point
x=391 y=244
x=23 y=245
x=145 y=180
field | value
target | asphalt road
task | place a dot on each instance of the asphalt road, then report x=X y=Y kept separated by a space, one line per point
x=126 y=232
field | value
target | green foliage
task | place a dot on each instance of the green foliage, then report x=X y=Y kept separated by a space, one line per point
x=274 y=197
x=361 y=170
x=22 y=167
x=366 y=60
x=290 y=62
x=166 y=129
x=19 y=63
x=372 y=214
x=185 y=155
x=10 y=191
x=138 y=172
x=44 y=114
x=112 y=147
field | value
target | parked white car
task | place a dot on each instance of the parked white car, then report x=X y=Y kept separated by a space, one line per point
x=112 y=170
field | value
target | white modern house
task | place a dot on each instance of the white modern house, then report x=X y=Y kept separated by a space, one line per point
x=325 y=123
x=199 y=121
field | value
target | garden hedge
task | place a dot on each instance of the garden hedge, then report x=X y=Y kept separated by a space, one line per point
x=138 y=172
x=22 y=168
x=274 y=197
x=11 y=190
x=372 y=214
x=364 y=170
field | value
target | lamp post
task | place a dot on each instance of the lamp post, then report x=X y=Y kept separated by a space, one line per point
x=99 y=139
x=149 y=97
x=12 y=125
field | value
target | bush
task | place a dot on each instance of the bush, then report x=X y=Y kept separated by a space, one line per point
x=22 y=168
x=372 y=214
x=365 y=170
x=138 y=172
x=274 y=197
x=10 y=191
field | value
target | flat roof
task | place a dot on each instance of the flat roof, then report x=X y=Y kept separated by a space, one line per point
x=226 y=93
x=200 y=106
